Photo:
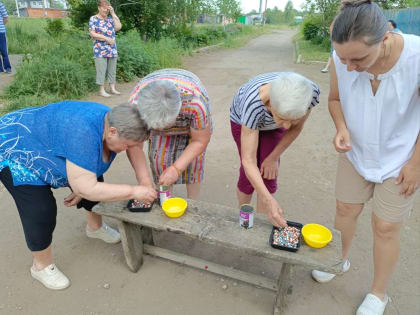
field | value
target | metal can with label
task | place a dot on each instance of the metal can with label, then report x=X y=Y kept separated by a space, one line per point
x=164 y=193
x=246 y=216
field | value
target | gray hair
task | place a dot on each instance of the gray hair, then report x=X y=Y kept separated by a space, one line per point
x=126 y=119
x=159 y=103
x=359 y=20
x=291 y=95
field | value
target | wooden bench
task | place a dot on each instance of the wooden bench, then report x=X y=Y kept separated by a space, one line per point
x=218 y=225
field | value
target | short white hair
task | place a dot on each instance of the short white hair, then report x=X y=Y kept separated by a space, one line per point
x=159 y=103
x=291 y=95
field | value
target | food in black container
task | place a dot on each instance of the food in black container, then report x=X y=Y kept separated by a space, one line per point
x=288 y=238
x=139 y=206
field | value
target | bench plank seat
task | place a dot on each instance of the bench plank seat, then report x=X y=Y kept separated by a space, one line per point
x=218 y=225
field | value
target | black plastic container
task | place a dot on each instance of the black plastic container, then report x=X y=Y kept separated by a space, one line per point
x=133 y=208
x=290 y=249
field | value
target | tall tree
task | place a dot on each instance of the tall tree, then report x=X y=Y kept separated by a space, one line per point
x=289 y=12
x=327 y=8
x=274 y=16
x=229 y=8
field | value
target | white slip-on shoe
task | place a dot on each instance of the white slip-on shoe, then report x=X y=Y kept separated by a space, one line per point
x=105 y=233
x=51 y=277
x=104 y=94
x=115 y=92
x=372 y=305
x=323 y=277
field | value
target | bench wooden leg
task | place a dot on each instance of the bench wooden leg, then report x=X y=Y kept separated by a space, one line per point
x=285 y=287
x=132 y=242
x=147 y=235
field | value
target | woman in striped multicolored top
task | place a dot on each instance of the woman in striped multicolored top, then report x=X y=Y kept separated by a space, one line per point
x=176 y=106
x=266 y=116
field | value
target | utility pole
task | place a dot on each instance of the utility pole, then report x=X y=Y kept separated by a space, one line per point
x=17 y=8
x=265 y=12
x=259 y=11
x=43 y=8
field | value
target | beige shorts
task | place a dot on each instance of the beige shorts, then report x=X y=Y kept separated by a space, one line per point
x=388 y=204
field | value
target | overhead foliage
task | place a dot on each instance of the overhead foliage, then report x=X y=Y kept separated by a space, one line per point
x=156 y=18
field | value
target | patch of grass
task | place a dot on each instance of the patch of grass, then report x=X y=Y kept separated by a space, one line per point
x=27 y=101
x=28 y=35
x=166 y=53
x=246 y=33
x=310 y=51
x=66 y=70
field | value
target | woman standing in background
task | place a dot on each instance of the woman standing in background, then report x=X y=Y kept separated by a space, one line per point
x=102 y=28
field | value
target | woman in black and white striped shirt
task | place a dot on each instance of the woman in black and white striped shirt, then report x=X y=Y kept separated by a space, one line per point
x=267 y=114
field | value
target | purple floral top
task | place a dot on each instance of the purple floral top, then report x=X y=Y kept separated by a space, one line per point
x=106 y=27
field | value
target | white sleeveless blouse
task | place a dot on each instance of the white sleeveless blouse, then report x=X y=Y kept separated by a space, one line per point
x=383 y=127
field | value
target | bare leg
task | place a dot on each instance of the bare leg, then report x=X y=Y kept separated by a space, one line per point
x=193 y=191
x=327 y=66
x=113 y=90
x=243 y=198
x=346 y=222
x=386 y=248
x=102 y=91
x=42 y=258
x=94 y=221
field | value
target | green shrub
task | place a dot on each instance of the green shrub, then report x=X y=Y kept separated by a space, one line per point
x=166 y=53
x=81 y=13
x=310 y=29
x=55 y=27
x=22 y=38
x=133 y=60
x=326 y=43
x=317 y=40
x=66 y=70
x=199 y=36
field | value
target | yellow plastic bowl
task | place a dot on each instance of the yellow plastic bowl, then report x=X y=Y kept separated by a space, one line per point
x=316 y=235
x=174 y=207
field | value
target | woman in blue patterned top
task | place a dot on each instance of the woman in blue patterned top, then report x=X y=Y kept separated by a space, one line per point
x=102 y=28
x=66 y=144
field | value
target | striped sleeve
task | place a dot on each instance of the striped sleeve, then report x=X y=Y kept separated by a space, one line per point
x=315 y=96
x=3 y=11
x=252 y=112
x=199 y=114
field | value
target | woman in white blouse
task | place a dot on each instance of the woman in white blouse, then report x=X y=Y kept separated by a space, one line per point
x=374 y=101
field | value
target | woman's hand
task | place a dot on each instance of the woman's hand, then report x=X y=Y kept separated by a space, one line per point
x=269 y=169
x=72 y=200
x=110 y=41
x=274 y=212
x=409 y=178
x=169 y=176
x=145 y=194
x=342 y=141
x=111 y=10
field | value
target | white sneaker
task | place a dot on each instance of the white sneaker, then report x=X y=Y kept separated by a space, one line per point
x=372 y=305
x=325 y=70
x=104 y=94
x=51 y=277
x=105 y=233
x=323 y=277
x=115 y=92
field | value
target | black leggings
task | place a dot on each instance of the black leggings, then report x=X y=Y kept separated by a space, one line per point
x=37 y=210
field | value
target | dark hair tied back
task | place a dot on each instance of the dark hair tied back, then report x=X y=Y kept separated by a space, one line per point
x=353 y=3
x=359 y=20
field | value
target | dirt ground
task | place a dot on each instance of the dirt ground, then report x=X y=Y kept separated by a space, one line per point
x=306 y=193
